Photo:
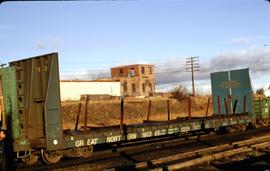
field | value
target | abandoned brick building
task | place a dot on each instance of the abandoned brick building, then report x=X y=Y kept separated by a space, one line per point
x=136 y=80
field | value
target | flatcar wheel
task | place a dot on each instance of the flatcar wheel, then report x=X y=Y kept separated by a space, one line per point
x=88 y=152
x=242 y=128
x=32 y=159
x=230 y=129
x=257 y=125
x=265 y=123
x=50 y=158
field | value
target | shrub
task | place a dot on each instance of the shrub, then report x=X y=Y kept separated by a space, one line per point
x=180 y=93
x=260 y=91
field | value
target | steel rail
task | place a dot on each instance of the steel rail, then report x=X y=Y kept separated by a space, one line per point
x=220 y=151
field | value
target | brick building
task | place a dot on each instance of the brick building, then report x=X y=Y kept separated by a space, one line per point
x=136 y=80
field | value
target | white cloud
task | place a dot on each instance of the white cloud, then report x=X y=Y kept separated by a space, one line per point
x=51 y=42
x=261 y=40
x=239 y=41
x=54 y=41
x=85 y=74
x=171 y=72
x=257 y=59
x=40 y=45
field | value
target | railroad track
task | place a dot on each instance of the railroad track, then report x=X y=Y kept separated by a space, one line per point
x=201 y=156
x=182 y=160
x=150 y=155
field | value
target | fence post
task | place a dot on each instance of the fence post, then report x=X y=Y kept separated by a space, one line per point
x=149 y=110
x=168 y=109
x=234 y=106
x=208 y=103
x=219 y=105
x=226 y=107
x=189 y=108
x=85 y=114
x=122 y=114
x=78 y=116
x=245 y=101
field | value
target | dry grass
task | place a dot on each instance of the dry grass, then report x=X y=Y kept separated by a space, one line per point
x=105 y=113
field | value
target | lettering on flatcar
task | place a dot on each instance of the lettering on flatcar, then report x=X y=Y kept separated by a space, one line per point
x=147 y=134
x=131 y=136
x=163 y=132
x=233 y=122
x=91 y=141
x=157 y=133
x=185 y=129
x=172 y=130
x=224 y=124
x=79 y=143
x=113 y=138
x=160 y=132
x=196 y=126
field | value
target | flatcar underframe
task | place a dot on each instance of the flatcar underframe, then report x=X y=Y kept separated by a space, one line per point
x=80 y=143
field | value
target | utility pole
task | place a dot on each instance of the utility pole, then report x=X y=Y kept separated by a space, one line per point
x=192 y=66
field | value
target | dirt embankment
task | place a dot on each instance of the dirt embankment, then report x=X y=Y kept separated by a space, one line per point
x=105 y=113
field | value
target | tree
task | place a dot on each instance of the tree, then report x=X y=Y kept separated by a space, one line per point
x=180 y=93
x=260 y=91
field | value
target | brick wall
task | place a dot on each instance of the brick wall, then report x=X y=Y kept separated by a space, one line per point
x=136 y=80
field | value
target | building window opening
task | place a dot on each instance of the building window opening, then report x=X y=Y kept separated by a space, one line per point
x=121 y=71
x=125 y=87
x=142 y=70
x=150 y=88
x=150 y=70
x=151 y=93
x=143 y=87
x=133 y=87
x=132 y=72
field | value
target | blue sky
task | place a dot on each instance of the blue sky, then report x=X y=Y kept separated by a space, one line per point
x=92 y=36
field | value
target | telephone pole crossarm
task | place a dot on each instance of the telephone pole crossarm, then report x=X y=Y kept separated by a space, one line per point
x=192 y=65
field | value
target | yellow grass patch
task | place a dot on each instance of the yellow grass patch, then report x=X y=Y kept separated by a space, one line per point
x=105 y=113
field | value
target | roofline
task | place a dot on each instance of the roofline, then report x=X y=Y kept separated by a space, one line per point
x=33 y=57
x=89 y=81
x=123 y=66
